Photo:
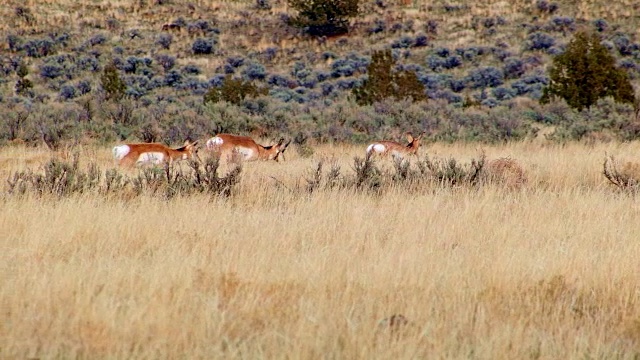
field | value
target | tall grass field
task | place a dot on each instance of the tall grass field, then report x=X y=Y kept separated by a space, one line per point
x=549 y=270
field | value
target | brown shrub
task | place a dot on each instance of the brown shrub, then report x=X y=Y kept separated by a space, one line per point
x=505 y=171
x=626 y=178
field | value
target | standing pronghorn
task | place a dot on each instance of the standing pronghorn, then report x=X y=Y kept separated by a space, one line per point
x=395 y=149
x=152 y=153
x=227 y=145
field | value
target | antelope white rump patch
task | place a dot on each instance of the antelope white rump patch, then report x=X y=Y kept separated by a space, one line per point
x=120 y=151
x=379 y=148
x=214 y=142
x=151 y=158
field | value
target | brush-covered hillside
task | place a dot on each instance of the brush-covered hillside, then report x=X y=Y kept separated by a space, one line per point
x=483 y=66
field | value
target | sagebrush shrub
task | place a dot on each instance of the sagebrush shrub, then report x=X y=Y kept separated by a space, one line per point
x=164 y=40
x=539 y=41
x=450 y=172
x=67 y=92
x=254 y=71
x=97 y=39
x=600 y=25
x=51 y=71
x=202 y=46
x=513 y=68
x=483 y=77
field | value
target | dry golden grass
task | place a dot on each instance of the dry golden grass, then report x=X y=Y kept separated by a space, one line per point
x=550 y=271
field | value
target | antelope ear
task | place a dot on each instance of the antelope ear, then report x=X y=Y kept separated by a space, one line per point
x=195 y=143
x=409 y=137
x=421 y=135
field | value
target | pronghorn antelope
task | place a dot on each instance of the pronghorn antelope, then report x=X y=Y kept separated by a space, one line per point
x=246 y=148
x=152 y=153
x=396 y=150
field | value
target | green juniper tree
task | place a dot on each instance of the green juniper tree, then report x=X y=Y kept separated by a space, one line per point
x=323 y=17
x=23 y=85
x=585 y=72
x=112 y=84
x=384 y=82
x=233 y=91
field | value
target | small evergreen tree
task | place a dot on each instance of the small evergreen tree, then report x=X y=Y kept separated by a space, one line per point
x=585 y=72
x=233 y=91
x=384 y=82
x=111 y=83
x=323 y=17
x=23 y=85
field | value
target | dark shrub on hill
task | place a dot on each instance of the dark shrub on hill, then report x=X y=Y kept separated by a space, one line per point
x=97 y=39
x=88 y=63
x=254 y=71
x=14 y=42
x=39 y=48
x=600 y=25
x=421 y=40
x=235 y=61
x=202 y=46
x=51 y=71
x=191 y=69
x=539 y=41
x=435 y=63
x=164 y=40
x=228 y=69
x=502 y=93
x=280 y=80
x=404 y=42
x=167 y=61
x=513 y=68
x=68 y=92
x=624 y=45
x=452 y=62
x=484 y=77
x=173 y=78
x=84 y=87
x=546 y=7
x=457 y=85
x=442 y=52
x=561 y=23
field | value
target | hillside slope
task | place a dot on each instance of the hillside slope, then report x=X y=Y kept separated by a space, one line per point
x=169 y=53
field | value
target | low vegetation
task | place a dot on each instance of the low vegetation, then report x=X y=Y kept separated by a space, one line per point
x=322 y=256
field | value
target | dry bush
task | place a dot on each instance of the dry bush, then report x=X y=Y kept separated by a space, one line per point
x=61 y=178
x=627 y=178
x=450 y=172
x=506 y=172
